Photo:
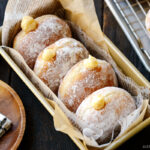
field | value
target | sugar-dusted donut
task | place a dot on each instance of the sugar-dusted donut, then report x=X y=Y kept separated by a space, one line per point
x=102 y=110
x=37 y=34
x=83 y=79
x=54 y=62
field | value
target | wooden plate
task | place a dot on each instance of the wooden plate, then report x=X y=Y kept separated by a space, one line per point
x=11 y=106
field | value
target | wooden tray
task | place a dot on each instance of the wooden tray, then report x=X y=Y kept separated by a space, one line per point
x=11 y=106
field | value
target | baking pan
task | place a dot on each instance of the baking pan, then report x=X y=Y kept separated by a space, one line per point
x=124 y=64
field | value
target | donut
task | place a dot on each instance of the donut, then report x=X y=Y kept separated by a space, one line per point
x=83 y=79
x=101 y=111
x=54 y=61
x=37 y=34
x=147 y=21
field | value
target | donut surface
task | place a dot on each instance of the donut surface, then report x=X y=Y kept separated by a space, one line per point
x=50 y=29
x=68 y=52
x=116 y=104
x=83 y=79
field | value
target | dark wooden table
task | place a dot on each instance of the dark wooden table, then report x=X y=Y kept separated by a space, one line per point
x=40 y=133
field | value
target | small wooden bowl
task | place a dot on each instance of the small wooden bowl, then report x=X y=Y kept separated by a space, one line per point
x=11 y=106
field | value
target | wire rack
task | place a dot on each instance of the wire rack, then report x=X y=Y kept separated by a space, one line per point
x=131 y=15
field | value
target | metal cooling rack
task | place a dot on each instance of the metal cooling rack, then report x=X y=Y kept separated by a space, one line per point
x=131 y=14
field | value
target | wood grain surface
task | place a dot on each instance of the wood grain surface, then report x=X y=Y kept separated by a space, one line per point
x=11 y=106
x=40 y=133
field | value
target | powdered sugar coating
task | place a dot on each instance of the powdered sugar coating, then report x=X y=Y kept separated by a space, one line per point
x=100 y=123
x=69 y=52
x=80 y=82
x=50 y=29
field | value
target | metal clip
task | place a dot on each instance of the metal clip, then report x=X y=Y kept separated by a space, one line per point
x=5 y=124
